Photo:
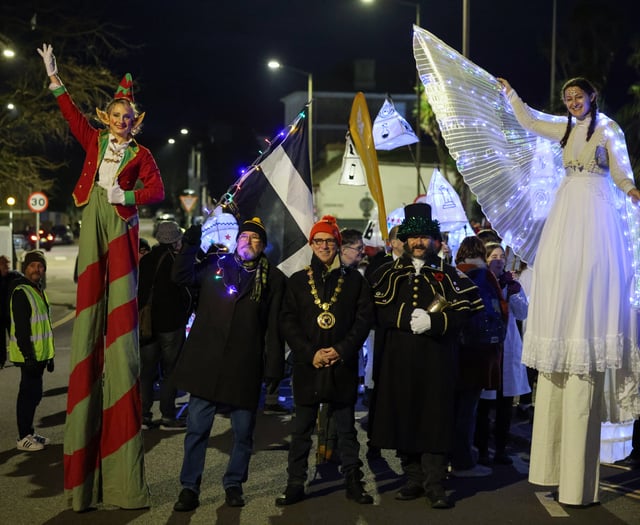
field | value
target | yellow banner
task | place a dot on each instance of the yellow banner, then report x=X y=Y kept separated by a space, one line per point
x=362 y=136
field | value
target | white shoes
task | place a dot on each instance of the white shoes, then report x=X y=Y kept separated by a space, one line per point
x=478 y=471
x=31 y=443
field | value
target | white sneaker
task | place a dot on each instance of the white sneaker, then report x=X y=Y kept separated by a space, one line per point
x=29 y=444
x=41 y=439
x=478 y=471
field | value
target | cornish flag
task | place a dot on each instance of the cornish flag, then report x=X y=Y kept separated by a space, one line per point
x=277 y=188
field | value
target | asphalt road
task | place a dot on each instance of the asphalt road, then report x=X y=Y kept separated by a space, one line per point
x=31 y=490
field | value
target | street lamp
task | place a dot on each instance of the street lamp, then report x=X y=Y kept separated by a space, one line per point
x=274 y=64
x=418 y=129
x=11 y=203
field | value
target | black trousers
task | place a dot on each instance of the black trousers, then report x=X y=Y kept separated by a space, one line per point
x=29 y=396
x=303 y=426
x=504 y=409
x=427 y=470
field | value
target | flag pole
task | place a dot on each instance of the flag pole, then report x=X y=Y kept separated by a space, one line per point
x=226 y=199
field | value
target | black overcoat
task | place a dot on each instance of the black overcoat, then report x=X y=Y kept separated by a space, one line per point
x=353 y=312
x=417 y=377
x=234 y=342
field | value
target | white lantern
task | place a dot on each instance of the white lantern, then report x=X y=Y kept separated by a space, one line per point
x=352 y=169
x=390 y=129
x=220 y=228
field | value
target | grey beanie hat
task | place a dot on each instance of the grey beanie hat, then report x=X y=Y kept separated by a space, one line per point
x=168 y=232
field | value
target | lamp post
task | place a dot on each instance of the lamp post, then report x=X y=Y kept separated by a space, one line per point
x=552 y=85
x=11 y=203
x=418 y=129
x=274 y=64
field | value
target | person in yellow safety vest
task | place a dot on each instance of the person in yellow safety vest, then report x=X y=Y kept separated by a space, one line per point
x=30 y=345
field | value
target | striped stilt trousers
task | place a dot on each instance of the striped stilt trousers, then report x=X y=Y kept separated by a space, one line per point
x=103 y=447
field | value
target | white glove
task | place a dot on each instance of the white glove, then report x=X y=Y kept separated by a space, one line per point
x=49 y=59
x=115 y=195
x=420 y=321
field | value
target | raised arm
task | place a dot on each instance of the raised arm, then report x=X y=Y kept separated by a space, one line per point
x=50 y=65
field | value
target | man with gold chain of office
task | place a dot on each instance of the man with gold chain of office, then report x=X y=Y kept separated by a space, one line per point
x=326 y=316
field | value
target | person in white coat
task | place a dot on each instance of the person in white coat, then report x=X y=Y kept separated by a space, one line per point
x=514 y=373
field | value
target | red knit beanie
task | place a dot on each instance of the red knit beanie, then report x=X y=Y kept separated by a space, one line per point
x=328 y=225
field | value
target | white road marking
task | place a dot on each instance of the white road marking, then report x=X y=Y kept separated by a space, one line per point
x=554 y=508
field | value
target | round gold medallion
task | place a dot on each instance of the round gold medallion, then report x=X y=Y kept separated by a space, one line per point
x=326 y=320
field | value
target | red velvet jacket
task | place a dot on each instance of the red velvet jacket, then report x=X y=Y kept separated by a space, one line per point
x=138 y=163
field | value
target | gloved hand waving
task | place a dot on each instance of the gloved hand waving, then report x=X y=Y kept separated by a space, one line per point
x=49 y=59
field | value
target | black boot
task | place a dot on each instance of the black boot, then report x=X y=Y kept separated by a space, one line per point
x=355 y=488
x=435 y=471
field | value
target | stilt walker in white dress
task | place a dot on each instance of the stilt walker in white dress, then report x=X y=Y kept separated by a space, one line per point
x=560 y=191
x=580 y=318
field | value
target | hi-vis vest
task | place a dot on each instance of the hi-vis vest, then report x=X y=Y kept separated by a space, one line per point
x=41 y=331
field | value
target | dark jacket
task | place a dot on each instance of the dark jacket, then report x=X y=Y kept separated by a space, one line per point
x=170 y=302
x=353 y=313
x=21 y=312
x=416 y=387
x=479 y=364
x=234 y=341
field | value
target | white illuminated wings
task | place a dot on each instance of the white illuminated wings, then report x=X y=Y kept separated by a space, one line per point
x=513 y=173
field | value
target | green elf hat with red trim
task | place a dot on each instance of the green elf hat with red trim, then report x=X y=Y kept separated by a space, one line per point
x=125 y=89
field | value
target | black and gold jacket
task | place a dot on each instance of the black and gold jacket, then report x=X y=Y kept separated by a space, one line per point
x=446 y=293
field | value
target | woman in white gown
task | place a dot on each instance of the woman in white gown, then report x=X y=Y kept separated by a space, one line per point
x=580 y=322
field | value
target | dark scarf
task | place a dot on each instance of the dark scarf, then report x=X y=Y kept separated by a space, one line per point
x=261 y=266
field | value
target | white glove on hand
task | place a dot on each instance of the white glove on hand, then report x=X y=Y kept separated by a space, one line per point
x=115 y=195
x=420 y=321
x=49 y=59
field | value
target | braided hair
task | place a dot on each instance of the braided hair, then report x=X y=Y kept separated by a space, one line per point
x=590 y=90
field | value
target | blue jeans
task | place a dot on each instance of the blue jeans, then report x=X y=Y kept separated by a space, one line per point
x=164 y=350
x=199 y=423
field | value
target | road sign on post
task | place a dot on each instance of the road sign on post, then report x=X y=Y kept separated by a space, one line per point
x=188 y=202
x=38 y=202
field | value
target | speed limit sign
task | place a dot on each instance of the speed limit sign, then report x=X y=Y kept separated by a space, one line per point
x=38 y=202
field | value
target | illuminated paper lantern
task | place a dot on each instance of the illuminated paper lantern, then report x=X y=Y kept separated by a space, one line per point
x=445 y=203
x=220 y=228
x=390 y=129
x=352 y=169
x=395 y=218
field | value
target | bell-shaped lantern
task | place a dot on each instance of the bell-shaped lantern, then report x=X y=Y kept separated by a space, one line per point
x=445 y=203
x=352 y=169
x=220 y=229
x=390 y=129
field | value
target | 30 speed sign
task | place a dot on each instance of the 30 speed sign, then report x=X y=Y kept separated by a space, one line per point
x=38 y=202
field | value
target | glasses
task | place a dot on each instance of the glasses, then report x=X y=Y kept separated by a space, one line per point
x=329 y=242
x=359 y=250
x=247 y=237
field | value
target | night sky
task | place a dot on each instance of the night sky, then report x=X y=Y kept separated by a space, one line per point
x=208 y=62
x=202 y=63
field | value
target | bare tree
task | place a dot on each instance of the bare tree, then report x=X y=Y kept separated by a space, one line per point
x=34 y=136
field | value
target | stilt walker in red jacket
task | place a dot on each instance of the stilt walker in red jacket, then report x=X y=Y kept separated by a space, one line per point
x=103 y=448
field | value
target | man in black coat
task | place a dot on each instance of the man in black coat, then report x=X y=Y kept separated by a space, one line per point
x=233 y=345
x=421 y=303
x=170 y=308
x=6 y=277
x=326 y=316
